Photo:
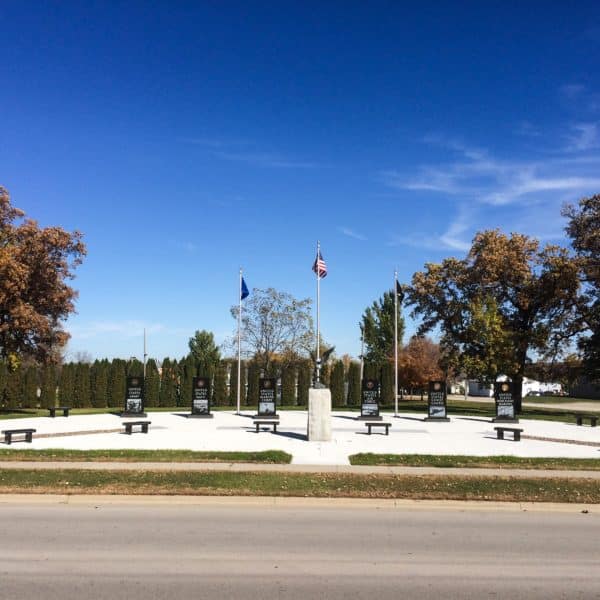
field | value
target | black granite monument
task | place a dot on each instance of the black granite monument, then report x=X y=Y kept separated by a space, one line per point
x=134 y=398
x=201 y=398
x=267 y=394
x=505 y=403
x=437 y=409
x=369 y=404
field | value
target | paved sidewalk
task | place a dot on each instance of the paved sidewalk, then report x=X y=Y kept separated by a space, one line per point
x=292 y=468
x=409 y=434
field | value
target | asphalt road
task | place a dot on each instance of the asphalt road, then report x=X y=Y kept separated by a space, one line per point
x=54 y=551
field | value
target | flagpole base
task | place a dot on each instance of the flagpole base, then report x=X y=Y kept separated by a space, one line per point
x=319 y=415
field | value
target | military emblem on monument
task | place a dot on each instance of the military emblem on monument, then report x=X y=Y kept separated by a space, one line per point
x=134 y=397
x=369 y=407
x=266 y=397
x=505 y=404
x=201 y=397
x=436 y=401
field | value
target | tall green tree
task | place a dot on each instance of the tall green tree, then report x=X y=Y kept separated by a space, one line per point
x=583 y=228
x=337 y=384
x=14 y=388
x=99 y=375
x=169 y=383
x=29 y=397
x=151 y=384
x=3 y=379
x=82 y=392
x=534 y=290
x=354 y=384
x=304 y=381
x=377 y=326
x=288 y=385
x=117 y=383
x=188 y=370
x=220 y=384
x=135 y=368
x=66 y=385
x=48 y=386
x=253 y=377
x=387 y=383
x=204 y=349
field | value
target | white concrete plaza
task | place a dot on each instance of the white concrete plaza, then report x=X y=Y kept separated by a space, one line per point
x=409 y=434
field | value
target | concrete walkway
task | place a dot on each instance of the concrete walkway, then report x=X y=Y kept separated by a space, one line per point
x=282 y=468
x=409 y=434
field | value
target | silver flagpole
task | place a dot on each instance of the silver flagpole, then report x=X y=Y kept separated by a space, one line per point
x=396 y=343
x=145 y=355
x=318 y=313
x=239 y=365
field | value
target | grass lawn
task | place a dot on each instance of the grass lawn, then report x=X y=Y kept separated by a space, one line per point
x=59 y=454
x=558 y=400
x=300 y=485
x=455 y=407
x=484 y=462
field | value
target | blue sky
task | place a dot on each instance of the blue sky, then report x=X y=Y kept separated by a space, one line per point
x=187 y=139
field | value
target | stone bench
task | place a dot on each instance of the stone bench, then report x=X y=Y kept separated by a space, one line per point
x=371 y=424
x=593 y=419
x=65 y=410
x=143 y=425
x=8 y=434
x=515 y=431
x=271 y=422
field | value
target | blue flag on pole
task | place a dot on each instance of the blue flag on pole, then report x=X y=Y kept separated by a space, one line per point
x=245 y=292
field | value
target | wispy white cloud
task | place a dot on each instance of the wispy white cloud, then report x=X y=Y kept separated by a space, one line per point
x=265 y=159
x=239 y=150
x=528 y=129
x=185 y=245
x=584 y=136
x=580 y=97
x=519 y=194
x=120 y=329
x=571 y=91
x=351 y=233
x=483 y=178
x=455 y=237
x=214 y=142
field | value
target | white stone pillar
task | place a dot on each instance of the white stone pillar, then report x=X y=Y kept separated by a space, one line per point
x=319 y=415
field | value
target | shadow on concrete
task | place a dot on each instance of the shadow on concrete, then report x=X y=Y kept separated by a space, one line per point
x=474 y=419
x=292 y=435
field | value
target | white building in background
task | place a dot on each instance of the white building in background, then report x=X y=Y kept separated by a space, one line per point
x=530 y=387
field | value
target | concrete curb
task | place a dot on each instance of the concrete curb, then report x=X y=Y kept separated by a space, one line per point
x=294 y=502
x=291 y=468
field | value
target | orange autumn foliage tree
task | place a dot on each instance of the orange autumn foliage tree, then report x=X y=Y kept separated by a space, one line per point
x=418 y=363
x=35 y=266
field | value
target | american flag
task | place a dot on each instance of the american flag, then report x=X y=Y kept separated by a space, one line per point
x=320 y=268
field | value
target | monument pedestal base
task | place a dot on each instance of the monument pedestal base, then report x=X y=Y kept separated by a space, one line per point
x=504 y=420
x=319 y=415
x=193 y=416
x=130 y=415
x=373 y=418
x=442 y=419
